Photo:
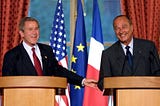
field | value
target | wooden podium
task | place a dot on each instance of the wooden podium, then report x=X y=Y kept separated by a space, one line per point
x=30 y=90
x=133 y=91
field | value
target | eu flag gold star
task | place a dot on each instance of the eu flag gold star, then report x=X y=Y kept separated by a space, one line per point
x=73 y=59
x=73 y=71
x=80 y=47
x=77 y=87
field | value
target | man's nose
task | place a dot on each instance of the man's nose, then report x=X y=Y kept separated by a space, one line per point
x=120 y=30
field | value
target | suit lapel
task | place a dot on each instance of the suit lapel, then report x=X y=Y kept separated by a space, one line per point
x=120 y=59
x=122 y=63
x=137 y=53
x=44 y=58
x=27 y=61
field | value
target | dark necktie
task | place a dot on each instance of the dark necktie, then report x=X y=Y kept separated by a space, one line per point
x=37 y=64
x=129 y=57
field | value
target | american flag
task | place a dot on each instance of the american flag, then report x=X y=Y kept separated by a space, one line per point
x=58 y=44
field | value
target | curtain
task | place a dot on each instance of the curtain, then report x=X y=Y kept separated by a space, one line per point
x=145 y=15
x=11 y=13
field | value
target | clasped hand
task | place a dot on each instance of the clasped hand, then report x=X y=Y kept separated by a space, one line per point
x=90 y=83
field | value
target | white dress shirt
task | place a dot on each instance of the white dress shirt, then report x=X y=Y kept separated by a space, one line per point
x=30 y=53
x=130 y=45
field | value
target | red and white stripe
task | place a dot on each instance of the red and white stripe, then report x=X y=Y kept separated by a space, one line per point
x=92 y=96
x=63 y=100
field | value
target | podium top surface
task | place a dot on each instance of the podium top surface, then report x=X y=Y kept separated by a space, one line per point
x=33 y=82
x=134 y=82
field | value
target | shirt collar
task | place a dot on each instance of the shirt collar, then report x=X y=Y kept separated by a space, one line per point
x=27 y=47
x=130 y=44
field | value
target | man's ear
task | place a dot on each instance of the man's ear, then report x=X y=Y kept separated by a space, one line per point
x=21 y=33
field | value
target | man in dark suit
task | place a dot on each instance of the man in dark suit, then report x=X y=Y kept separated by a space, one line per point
x=142 y=61
x=19 y=61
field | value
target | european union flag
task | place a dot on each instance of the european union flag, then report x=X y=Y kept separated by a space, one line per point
x=79 y=56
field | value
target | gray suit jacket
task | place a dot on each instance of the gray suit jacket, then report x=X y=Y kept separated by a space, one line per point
x=145 y=61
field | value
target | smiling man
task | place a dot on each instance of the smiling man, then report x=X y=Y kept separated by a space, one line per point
x=31 y=58
x=128 y=56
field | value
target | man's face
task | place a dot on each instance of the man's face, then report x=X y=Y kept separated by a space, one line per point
x=123 y=30
x=30 y=33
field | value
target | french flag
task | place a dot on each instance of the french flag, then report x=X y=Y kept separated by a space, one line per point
x=92 y=96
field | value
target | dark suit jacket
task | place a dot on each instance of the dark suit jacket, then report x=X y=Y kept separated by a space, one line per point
x=17 y=63
x=145 y=61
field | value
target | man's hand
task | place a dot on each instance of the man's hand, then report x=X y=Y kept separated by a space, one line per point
x=90 y=82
